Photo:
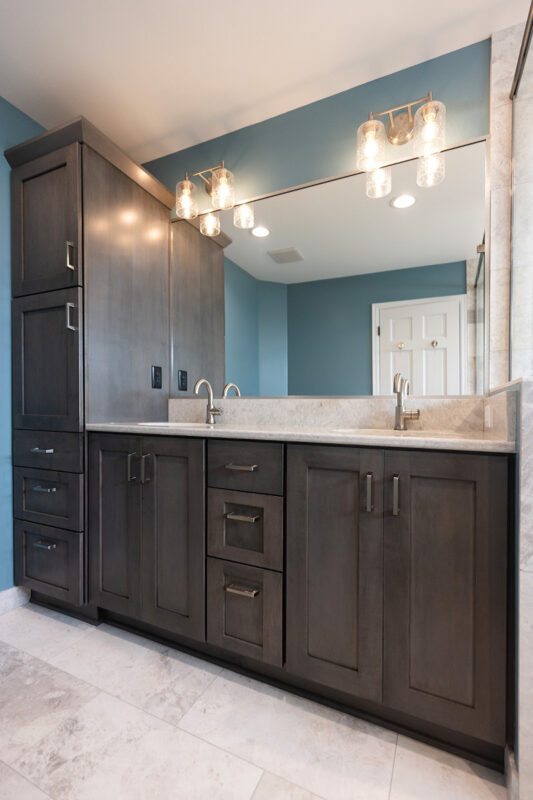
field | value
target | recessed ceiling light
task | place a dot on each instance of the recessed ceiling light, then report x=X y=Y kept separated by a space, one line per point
x=402 y=201
x=260 y=231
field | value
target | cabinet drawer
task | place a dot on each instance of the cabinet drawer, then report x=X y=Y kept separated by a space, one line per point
x=48 y=450
x=48 y=497
x=49 y=560
x=246 y=466
x=245 y=527
x=244 y=610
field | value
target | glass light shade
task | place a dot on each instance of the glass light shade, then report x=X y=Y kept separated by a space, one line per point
x=371 y=145
x=243 y=216
x=430 y=170
x=378 y=182
x=222 y=188
x=430 y=129
x=210 y=224
x=186 y=203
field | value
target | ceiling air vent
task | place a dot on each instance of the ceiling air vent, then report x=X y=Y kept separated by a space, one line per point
x=286 y=255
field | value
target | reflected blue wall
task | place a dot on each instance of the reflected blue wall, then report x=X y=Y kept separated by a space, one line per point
x=15 y=127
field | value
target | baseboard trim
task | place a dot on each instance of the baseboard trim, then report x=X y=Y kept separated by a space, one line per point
x=13 y=598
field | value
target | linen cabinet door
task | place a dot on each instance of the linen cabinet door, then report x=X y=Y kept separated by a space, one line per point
x=445 y=589
x=46 y=223
x=114 y=522
x=47 y=361
x=335 y=567
x=173 y=534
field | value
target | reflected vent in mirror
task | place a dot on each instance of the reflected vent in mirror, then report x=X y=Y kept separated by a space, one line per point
x=286 y=255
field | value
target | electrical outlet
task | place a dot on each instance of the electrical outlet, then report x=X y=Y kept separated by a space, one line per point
x=182 y=380
x=157 y=377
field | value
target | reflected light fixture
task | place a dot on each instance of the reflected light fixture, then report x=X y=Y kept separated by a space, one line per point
x=260 y=231
x=430 y=170
x=210 y=224
x=379 y=182
x=243 y=216
x=403 y=201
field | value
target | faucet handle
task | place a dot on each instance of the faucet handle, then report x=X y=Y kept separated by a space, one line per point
x=398 y=382
x=406 y=385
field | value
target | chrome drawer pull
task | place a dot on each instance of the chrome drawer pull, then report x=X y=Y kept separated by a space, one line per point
x=68 y=323
x=131 y=477
x=44 y=545
x=369 y=506
x=68 y=264
x=241 y=517
x=395 y=496
x=243 y=467
x=241 y=591
x=44 y=490
x=39 y=451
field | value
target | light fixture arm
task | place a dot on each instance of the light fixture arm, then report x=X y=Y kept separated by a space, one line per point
x=409 y=106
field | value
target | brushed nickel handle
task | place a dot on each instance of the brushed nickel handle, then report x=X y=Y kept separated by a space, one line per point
x=242 y=467
x=41 y=452
x=396 y=496
x=44 y=490
x=131 y=477
x=68 y=307
x=68 y=246
x=241 y=591
x=144 y=479
x=369 y=506
x=44 y=545
x=241 y=517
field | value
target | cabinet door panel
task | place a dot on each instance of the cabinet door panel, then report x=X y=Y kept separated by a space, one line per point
x=47 y=361
x=173 y=535
x=335 y=566
x=445 y=595
x=114 y=522
x=46 y=223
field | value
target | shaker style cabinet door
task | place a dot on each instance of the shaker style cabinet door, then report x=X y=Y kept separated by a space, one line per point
x=47 y=361
x=114 y=522
x=335 y=567
x=46 y=223
x=445 y=590
x=173 y=534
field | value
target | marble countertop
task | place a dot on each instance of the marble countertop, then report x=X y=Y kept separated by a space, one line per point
x=416 y=439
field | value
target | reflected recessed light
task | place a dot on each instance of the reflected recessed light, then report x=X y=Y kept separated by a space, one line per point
x=260 y=231
x=402 y=201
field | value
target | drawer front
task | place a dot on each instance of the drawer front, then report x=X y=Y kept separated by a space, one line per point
x=245 y=527
x=49 y=560
x=48 y=450
x=245 y=466
x=244 y=610
x=48 y=498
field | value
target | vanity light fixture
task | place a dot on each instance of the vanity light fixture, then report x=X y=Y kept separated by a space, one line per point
x=260 y=231
x=186 y=203
x=403 y=201
x=243 y=216
x=210 y=224
x=426 y=127
x=219 y=185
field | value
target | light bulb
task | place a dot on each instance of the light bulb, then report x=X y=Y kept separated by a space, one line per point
x=371 y=145
x=430 y=129
x=186 y=205
x=210 y=224
x=378 y=182
x=243 y=216
x=430 y=170
x=222 y=189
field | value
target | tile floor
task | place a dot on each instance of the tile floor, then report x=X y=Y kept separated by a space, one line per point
x=95 y=714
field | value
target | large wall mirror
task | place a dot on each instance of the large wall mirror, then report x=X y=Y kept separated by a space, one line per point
x=345 y=290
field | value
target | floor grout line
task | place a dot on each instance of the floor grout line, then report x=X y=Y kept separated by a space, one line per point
x=392 y=770
x=32 y=783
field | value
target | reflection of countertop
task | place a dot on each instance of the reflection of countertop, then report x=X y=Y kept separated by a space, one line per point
x=428 y=440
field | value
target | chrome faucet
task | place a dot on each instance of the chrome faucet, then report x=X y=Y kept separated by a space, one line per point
x=401 y=387
x=233 y=386
x=211 y=412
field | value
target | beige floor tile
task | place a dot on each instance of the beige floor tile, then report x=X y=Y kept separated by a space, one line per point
x=422 y=772
x=110 y=750
x=270 y=787
x=14 y=787
x=331 y=754
x=39 y=631
x=10 y=659
x=160 y=680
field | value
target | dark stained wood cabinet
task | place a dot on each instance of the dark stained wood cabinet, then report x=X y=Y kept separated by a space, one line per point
x=46 y=222
x=335 y=567
x=147 y=530
x=445 y=589
x=173 y=534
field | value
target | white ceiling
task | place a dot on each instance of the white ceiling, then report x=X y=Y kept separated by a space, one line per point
x=162 y=75
x=340 y=231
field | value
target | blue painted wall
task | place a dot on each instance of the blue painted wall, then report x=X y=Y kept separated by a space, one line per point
x=14 y=128
x=329 y=324
x=318 y=140
x=273 y=346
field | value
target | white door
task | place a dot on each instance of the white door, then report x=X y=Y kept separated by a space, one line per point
x=422 y=339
